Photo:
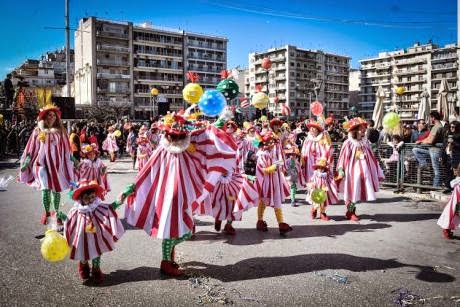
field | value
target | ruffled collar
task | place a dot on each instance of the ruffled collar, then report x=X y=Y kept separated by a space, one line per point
x=177 y=146
x=90 y=208
x=354 y=141
x=41 y=126
x=454 y=182
x=314 y=138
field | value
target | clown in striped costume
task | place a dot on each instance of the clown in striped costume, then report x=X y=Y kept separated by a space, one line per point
x=450 y=219
x=271 y=184
x=322 y=179
x=47 y=161
x=222 y=200
x=144 y=150
x=178 y=177
x=92 y=168
x=92 y=227
x=317 y=144
x=358 y=168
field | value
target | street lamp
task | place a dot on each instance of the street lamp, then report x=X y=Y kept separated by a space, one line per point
x=153 y=94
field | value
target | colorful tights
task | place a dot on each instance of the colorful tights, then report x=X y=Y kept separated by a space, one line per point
x=169 y=244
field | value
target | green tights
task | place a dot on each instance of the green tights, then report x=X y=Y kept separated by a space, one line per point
x=168 y=245
x=49 y=197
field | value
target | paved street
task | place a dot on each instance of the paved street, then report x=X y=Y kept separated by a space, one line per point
x=397 y=244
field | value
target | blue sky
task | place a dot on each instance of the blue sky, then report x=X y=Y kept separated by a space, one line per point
x=355 y=28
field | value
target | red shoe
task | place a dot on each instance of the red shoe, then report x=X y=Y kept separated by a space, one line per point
x=229 y=229
x=261 y=226
x=83 y=270
x=168 y=268
x=96 y=275
x=217 y=225
x=447 y=233
x=324 y=217
x=284 y=228
x=44 y=218
x=313 y=212
x=352 y=216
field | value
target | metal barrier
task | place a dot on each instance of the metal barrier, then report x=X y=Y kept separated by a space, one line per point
x=404 y=173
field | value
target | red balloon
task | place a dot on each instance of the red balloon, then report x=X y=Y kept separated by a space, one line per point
x=266 y=63
x=316 y=108
x=329 y=121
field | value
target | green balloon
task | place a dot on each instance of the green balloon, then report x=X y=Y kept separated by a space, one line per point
x=318 y=196
x=228 y=88
x=391 y=120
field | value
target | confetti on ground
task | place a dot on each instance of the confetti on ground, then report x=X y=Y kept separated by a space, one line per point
x=336 y=277
x=406 y=298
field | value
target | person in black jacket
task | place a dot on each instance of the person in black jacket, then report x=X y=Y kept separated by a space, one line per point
x=8 y=90
x=452 y=153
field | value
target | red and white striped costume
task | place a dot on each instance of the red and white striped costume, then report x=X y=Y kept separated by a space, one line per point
x=110 y=143
x=449 y=218
x=324 y=180
x=93 y=170
x=362 y=171
x=245 y=145
x=50 y=164
x=313 y=149
x=86 y=245
x=222 y=199
x=172 y=180
x=273 y=188
x=144 y=151
x=248 y=197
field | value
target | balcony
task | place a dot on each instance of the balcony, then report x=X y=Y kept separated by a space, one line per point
x=104 y=75
x=113 y=91
x=111 y=48
x=448 y=66
x=280 y=67
x=409 y=82
x=411 y=61
x=212 y=46
x=205 y=57
x=410 y=71
x=111 y=34
x=444 y=57
x=112 y=63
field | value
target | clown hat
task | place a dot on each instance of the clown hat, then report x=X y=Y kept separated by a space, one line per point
x=354 y=123
x=85 y=185
x=314 y=124
x=87 y=148
x=321 y=164
x=174 y=124
x=276 y=122
x=48 y=108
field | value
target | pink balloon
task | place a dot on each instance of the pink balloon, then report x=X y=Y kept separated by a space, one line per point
x=316 y=108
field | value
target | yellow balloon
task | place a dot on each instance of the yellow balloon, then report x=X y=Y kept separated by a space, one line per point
x=192 y=93
x=400 y=90
x=154 y=92
x=246 y=125
x=263 y=118
x=260 y=100
x=117 y=133
x=54 y=246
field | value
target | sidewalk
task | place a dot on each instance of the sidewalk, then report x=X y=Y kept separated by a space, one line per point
x=9 y=163
x=123 y=165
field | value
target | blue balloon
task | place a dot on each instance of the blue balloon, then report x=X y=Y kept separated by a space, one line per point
x=212 y=103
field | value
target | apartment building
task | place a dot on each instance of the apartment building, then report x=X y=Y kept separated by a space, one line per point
x=118 y=63
x=418 y=68
x=295 y=73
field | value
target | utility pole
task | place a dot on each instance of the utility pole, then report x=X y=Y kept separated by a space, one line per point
x=67 y=48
